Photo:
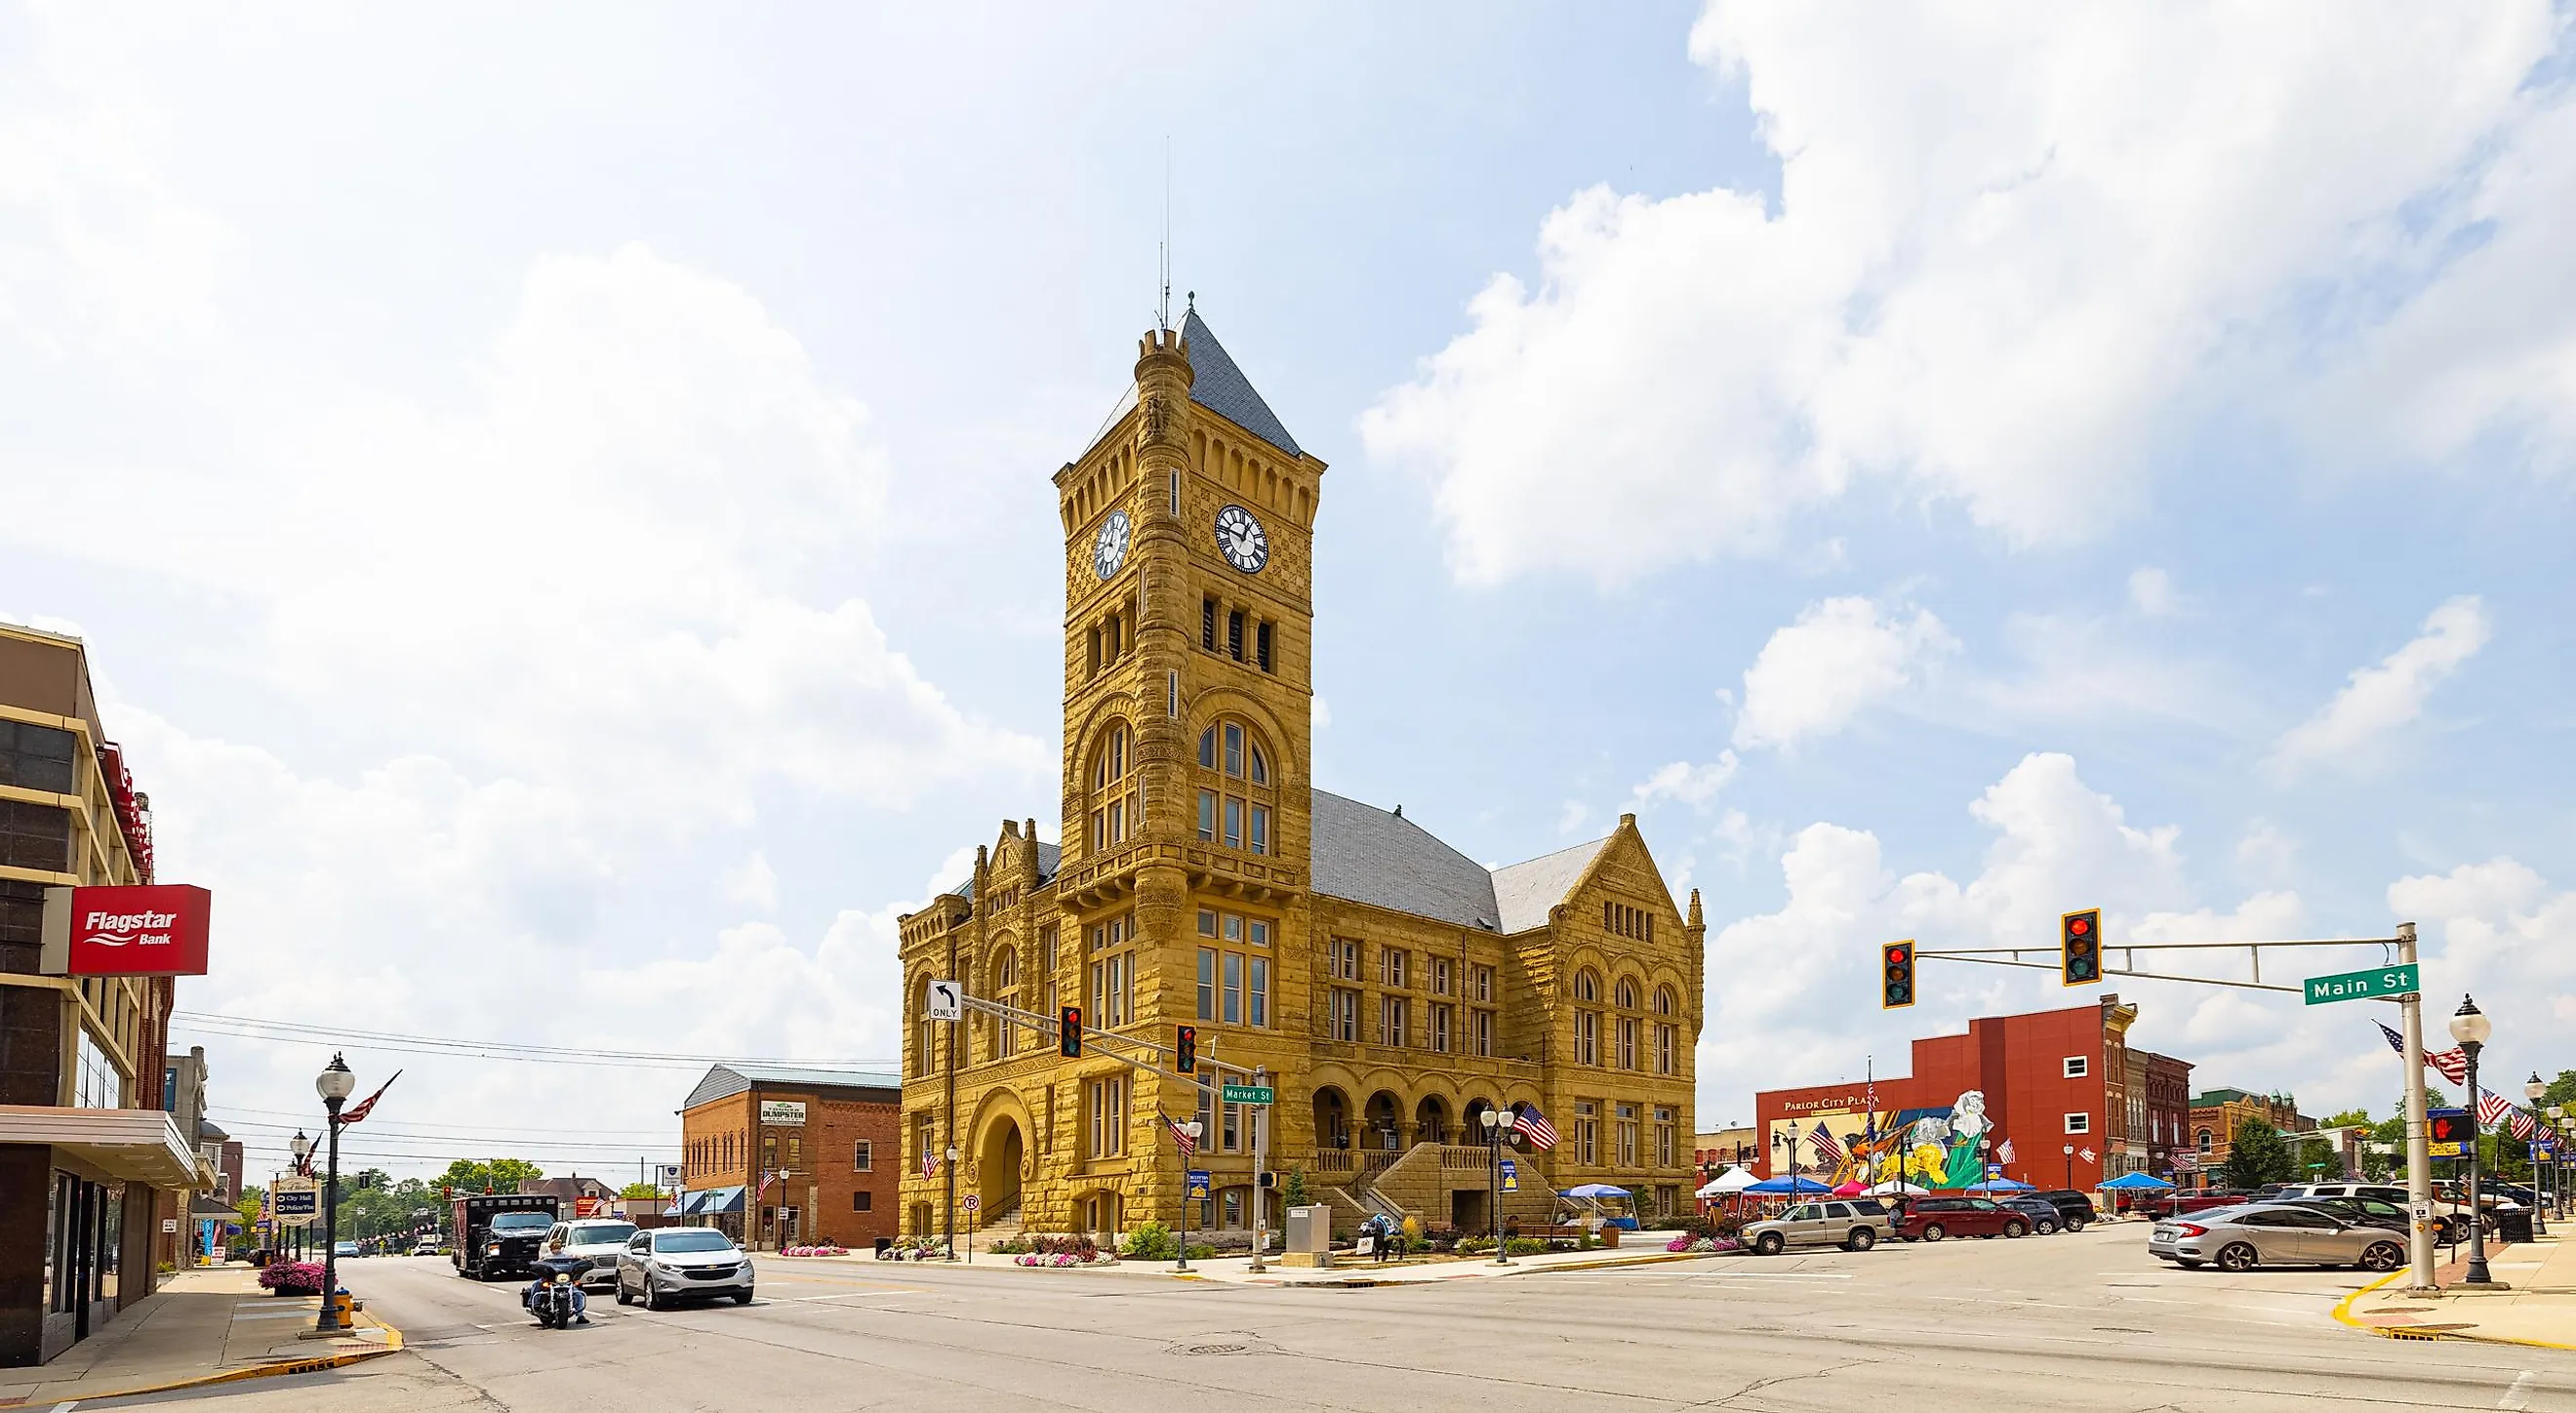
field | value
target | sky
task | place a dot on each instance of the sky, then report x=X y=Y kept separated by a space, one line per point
x=558 y=501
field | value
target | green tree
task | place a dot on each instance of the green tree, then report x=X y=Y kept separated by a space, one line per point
x=639 y=1192
x=469 y=1176
x=2257 y=1154
x=2318 y=1161
x=248 y=1204
x=2350 y=1118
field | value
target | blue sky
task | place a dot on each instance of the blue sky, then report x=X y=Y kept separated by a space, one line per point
x=567 y=495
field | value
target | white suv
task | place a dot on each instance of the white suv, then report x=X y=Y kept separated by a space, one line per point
x=597 y=1240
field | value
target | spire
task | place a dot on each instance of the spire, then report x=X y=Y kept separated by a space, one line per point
x=1221 y=388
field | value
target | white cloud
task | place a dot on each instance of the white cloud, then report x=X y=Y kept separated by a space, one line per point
x=2384 y=697
x=2006 y=250
x=2151 y=592
x=1694 y=785
x=1572 y=816
x=2266 y=851
x=2497 y=931
x=751 y=883
x=1841 y=656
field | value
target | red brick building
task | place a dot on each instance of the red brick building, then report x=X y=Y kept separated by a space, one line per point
x=781 y=1157
x=2015 y=1092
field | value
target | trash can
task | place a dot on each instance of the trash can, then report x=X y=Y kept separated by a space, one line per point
x=2513 y=1225
x=884 y=1245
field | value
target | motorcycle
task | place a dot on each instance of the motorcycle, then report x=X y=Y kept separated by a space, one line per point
x=555 y=1296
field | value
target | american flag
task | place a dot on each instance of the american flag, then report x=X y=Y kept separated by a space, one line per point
x=2523 y=1127
x=2492 y=1107
x=1534 y=1126
x=1180 y=1136
x=2453 y=1064
x=766 y=1179
x=1822 y=1140
x=366 y=1106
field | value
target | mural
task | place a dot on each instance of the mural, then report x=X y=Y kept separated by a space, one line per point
x=1945 y=1147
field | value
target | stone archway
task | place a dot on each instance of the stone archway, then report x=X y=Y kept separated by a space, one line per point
x=1431 y=1121
x=998 y=1160
x=1332 y=1118
x=1381 y=1123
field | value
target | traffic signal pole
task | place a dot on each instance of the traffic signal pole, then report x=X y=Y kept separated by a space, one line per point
x=2419 y=1159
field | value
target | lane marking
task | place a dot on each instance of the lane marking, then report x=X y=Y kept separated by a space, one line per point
x=2519 y=1396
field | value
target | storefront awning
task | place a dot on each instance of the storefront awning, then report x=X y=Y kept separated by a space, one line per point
x=711 y=1201
x=137 y=1145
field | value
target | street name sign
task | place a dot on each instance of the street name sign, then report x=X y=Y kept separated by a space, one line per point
x=2362 y=985
x=1248 y=1094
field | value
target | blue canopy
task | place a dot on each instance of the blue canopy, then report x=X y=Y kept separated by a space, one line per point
x=2138 y=1182
x=1595 y=1189
x=2000 y=1184
x=1789 y=1186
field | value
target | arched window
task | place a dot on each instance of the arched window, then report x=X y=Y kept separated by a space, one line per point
x=1587 y=1021
x=1236 y=801
x=1006 y=982
x=1587 y=986
x=2204 y=1140
x=1624 y=996
x=1113 y=794
x=1667 y=1034
x=1627 y=994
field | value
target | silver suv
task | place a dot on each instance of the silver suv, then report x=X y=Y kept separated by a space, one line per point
x=598 y=1240
x=1854 y=1224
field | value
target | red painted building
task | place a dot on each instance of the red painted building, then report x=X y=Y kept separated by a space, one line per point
x=2016 y=1092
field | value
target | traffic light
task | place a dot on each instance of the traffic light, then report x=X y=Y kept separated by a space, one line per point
x=1186 y=1048
x=1269 y=1178
x=2079 y=947
x=1068 y=1033
x=1896 y=980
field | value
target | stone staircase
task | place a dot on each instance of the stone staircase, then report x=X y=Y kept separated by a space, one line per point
x=1002 y=1225
x=1421 y=1182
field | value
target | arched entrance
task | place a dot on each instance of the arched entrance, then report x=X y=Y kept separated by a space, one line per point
x=1332 y=1118
x=1379 y=1123
x=1431 y=1120
x=997 y=1168
x=1471 y=1125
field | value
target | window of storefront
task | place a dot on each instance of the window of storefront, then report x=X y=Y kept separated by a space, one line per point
x=95 y=1082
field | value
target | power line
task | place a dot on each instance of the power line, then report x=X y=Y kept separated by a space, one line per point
x=257 y=1028
x=459 y=1128
x=461 y=1139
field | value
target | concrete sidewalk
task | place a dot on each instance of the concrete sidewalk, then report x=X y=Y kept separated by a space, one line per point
x=1352 y=1271
x=2533 y=1300
x=210 y=1325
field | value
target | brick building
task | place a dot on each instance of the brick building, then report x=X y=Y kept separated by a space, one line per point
x=777 y=1157
x=2216 y=1114
x=1719 y=1149
x=2015 y=1092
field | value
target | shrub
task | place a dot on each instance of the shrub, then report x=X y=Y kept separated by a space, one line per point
x=1010 y=1246
x=291 y=1278
x=1151 y=1241
x=1295 y=1193
x=1202 y=1253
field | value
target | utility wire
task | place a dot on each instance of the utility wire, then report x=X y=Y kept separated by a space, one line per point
x=257 y=1028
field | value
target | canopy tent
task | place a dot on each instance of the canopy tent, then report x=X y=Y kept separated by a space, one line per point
x=1595 y=1189
x=2137 y=1182
x=1728 y=1183
x=2000 y=1184
x=1898 y=1188
x=1854 y=1188
x=1800 y=1186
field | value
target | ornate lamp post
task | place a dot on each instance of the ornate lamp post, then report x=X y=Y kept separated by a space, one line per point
x=2539 y=1205
x=302 y=1149
x=2470 y=1028
x=334 y=1084
x=1499 y=1135
x=952 y=1204
x=1190 y=1127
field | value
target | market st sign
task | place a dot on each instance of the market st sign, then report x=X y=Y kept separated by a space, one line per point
x=144 y=930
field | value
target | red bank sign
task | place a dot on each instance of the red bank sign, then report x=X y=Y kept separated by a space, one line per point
x=151 y=930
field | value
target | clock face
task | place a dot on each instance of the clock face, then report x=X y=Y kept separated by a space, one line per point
x=1109 y=548
x=1240 y=539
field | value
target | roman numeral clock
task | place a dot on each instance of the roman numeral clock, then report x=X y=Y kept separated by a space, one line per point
x=1109 y=548
x=1239 y=537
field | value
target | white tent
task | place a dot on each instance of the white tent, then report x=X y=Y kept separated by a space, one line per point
x=1894 y=1187
x=1728 y=1183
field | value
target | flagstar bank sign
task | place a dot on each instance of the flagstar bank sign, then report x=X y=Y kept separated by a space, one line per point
x=151 y=930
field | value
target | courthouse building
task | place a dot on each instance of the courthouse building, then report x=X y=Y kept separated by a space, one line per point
x=1388 y=988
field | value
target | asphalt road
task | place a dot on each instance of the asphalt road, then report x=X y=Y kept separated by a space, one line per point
x=2074 y=1322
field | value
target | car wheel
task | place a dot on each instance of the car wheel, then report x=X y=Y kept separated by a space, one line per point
x=2014 y=1229
x=1935 y=1232
x=622 y=1297
x=2047 y=1227
x=2074 y=1224
x=1767 y=1244
x=2383 y=1256
x=652 y=1295
x=2239 y=1257
x=1861 y=1239
x=742 y=1297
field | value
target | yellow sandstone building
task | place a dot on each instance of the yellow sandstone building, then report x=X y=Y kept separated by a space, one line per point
x=1389 y=988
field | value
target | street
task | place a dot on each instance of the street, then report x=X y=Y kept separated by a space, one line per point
x=2077 y=1322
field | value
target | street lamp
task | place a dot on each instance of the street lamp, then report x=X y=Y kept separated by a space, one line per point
x=2069 y=1151
x=1499 y=1134
x=1191 y=1128
x=2539 y=1205
x=334 y=1084
x=2470 y=1027
x=952 y=1202
x=301 y=1149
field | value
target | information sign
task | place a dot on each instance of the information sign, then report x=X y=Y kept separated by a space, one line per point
x=947 y=1001
x=1197 y=1184
x=2362 y=985
x=1248 y=1094
x=1511 y=1176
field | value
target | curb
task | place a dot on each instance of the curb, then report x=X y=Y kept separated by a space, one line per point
x=393 y=1345
x=2343 y=1314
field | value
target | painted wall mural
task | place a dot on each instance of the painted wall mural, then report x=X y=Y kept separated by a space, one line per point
x=1944 y=1147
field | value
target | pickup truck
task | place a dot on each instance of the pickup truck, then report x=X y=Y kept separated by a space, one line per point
x=501 y=1234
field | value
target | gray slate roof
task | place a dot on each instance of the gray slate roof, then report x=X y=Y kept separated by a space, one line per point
x=1219 y=386
x=1525 y=891
x=1049 y=857
x=725 y=1081
x=1370 y=855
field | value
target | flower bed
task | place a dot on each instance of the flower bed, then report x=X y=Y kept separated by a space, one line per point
x=291 y=1278
x=1061 y=1251
x=816 y=1251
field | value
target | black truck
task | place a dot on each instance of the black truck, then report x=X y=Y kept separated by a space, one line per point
x=499 y=1235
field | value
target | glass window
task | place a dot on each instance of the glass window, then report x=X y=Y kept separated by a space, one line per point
x=1233 y=822
x=1260 y=767
x=1207 y=815
x=1260 y=933
x=1233 y=749
x=1261 y=829
x=1233 y=988
x=1207 y=748
x=1233 y=927
x=863 y=1157
x=1260 y=999
x=1207 y=983
x=1207 y=922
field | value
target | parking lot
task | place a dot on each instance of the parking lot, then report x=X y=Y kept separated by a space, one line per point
x=2084 y=1321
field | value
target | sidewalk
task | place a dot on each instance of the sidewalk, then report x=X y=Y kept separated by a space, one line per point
x=209 y=1325
x=2533 y=1301
x=1350 y=1271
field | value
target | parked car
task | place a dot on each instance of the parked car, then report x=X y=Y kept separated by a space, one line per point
x=600 y=1241
x=1854 y=1224
x=2074 y=1209
x=1939 y=1218
x=345 y=1250
x=677 y=1263
x=2045 y=1219
x=2176 y=1203
x=426 y=1246
x=2372 y=1211
x=2274 y=1234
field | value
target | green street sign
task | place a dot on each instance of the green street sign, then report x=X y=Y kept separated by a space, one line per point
x=2362 y=985
x=1248 y=1094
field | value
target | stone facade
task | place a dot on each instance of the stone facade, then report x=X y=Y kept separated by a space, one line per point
x=1387 y=988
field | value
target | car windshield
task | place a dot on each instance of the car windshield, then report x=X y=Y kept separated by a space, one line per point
x=599 y=1233
x=693 y=1239
x=522 y=1221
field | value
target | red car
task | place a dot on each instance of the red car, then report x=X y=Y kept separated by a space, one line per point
x=1937 y=1218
